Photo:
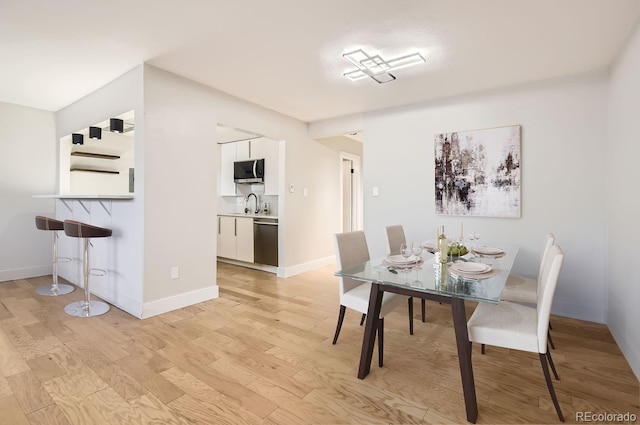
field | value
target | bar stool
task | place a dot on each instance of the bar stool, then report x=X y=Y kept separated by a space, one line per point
x=55 y=289
x=86 y=308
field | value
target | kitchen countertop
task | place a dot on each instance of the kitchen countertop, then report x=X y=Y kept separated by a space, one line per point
x=70 y=196
x=250 y=215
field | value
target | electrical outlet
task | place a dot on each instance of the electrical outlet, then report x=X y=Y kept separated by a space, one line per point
x=175 y=272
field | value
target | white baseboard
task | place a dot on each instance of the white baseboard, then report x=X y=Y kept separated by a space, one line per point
x=305 y=267
x=284 y=271
x=255 y=266
x=165 y=305
x=25 y=273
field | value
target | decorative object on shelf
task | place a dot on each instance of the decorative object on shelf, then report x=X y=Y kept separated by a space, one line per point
x=77 y=139
x=116 y=125
x=377 y=68
x=95 y=133
x=477 y=172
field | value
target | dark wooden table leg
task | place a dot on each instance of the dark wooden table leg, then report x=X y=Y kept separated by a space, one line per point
x=371 y=327
x=464 y=358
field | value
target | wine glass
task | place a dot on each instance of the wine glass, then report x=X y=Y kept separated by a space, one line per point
x=405 y=251
x=416 y=249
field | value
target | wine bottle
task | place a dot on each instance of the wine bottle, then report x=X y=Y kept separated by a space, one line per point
x=442 y=246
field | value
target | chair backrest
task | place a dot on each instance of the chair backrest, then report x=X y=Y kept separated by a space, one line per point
x=549 y=240
x=351 y=250
x=395 y=237
x=547 y=283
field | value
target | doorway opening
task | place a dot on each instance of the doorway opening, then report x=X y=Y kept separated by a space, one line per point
x=351 y=216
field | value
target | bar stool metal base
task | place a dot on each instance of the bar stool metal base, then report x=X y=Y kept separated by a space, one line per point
x=95 y=308
x=47 y=290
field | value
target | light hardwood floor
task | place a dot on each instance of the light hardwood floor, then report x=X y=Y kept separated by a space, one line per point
x=262 y=354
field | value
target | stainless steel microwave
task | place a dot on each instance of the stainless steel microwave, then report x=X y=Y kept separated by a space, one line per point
x=251 y=171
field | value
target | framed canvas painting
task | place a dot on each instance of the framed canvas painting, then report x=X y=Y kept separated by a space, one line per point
x=477 y=172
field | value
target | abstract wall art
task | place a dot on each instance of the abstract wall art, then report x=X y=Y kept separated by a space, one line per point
x=477 y=172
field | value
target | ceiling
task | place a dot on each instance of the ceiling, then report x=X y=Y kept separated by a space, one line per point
x=286 y=55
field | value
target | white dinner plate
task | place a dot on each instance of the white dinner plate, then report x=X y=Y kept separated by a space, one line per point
x=399 y=259
x=429 y=246
x=471 y=268
x=487 y=250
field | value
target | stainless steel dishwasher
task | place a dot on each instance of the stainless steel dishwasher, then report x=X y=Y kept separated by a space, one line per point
x=265 y=241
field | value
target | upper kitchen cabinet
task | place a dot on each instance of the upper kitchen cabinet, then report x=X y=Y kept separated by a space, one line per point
x=243 y=149
x=268 y=150
x=99 y=159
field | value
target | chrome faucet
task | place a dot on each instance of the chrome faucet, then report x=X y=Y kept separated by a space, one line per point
x=248 y=201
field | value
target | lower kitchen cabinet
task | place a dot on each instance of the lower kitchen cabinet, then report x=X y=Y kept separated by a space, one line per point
x=244 y=239
x=235 y=238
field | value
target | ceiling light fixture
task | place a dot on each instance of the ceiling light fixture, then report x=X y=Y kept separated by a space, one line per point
x=116 y=125
x=377 y=68
x=77 y=139
x=95 y=133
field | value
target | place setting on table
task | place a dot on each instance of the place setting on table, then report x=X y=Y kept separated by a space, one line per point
x=472 y=262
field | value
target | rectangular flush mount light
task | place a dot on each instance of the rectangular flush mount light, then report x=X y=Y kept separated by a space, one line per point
x=376 y=67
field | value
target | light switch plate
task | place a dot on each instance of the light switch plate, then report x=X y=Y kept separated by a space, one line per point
x=375 y=191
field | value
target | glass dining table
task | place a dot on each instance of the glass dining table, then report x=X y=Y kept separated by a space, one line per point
x=452 y=284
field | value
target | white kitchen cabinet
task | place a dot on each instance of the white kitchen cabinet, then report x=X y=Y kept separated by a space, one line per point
x=243 y=150
x=244 y=239
x=225 y=179
x=226 y=236
x=260 y=148
x=269 y=150
x=235 y=238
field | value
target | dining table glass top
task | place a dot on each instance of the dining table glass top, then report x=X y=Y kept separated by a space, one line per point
x=430 y=277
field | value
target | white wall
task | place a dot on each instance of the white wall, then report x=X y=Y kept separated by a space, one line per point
x=623 y=204
x=563 y=181
x=28 y=143
x=307 y=222
x=181 y=160
x=124 y=252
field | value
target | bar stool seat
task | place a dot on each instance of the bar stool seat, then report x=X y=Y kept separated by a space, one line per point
x=87 y=307
x=55 y=289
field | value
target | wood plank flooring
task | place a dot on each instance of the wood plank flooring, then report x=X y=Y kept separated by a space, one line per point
x=262 y=354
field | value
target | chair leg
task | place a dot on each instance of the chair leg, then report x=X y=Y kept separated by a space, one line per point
x=424 y=309
x=340 y=319
x=547 y=377
x=364 y=316
x=482 y=348
x=380 y=341
x=411 y=315
x=550 y=327
x=550 y=340
x=553 y=368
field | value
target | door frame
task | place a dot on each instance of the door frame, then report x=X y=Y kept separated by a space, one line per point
x=356 y=195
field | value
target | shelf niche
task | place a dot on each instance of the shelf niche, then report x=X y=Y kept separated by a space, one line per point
x=95 y=155
x=91 y=170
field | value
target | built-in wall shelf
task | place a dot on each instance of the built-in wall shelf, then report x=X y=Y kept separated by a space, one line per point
x=91 y=170
x=95 y=155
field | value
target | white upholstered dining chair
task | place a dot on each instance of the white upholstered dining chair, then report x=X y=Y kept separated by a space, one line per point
x=352 y=249
x=520 y=327
x=522 y=289
x=395 y=238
